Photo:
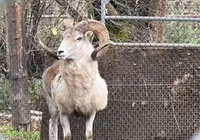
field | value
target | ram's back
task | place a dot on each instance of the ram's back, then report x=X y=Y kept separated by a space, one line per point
x=49 y=75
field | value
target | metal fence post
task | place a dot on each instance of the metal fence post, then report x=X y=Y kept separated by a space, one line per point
x=103 y=10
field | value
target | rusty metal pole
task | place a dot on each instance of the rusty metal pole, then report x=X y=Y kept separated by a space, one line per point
x=20 y=105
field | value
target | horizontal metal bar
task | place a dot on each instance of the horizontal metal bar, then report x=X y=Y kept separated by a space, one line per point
x=170 y=18
x=143 y=102
x=156 y=45
x=52 y=16
x=134 y=85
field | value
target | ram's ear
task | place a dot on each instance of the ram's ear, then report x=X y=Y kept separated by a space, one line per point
x=89 y=35
x=66 y=24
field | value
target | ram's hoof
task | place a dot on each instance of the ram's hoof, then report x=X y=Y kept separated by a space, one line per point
x=89 y=136
x=68 y=137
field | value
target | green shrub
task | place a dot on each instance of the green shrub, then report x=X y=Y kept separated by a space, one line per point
x=121 y=32
x=10 y=133
x=183 y=32
x=4 y=94
x=35 y=89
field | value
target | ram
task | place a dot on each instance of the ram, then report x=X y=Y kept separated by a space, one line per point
x=73 y=83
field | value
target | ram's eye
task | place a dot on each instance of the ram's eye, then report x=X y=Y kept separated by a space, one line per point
x=79 y=38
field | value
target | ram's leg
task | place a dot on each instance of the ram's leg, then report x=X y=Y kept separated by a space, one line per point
x=89 y=126
x=53 y=127
x=53 y=122
x=64 y=120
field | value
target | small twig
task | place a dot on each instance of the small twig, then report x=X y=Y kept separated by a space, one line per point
x=4 y=70
x=174 y=114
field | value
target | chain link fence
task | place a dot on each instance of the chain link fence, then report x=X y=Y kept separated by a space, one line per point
x=152 y=69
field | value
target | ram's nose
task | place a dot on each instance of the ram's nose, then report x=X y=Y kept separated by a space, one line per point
x=60 y=52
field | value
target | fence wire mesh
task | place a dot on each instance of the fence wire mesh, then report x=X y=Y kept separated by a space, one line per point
x=153 y=91
x=160 y=93
x=154 y=21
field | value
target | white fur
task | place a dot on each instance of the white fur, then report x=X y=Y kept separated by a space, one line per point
x=89 y=126
x=196 y=137
x=64 y=119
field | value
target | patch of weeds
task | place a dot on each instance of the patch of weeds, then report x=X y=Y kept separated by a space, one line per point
x=11 y=134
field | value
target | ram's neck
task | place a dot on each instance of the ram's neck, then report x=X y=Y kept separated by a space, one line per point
x=81 y=74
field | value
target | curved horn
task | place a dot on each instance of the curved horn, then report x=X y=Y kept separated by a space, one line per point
x=98 y=29
x=66 y=23
x=51 y=52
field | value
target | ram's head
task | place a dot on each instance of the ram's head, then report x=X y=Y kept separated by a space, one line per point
x=76 y=44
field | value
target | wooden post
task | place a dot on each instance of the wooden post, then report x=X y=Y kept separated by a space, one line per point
x=17 y=66
x=160 y=29
x=44 y=131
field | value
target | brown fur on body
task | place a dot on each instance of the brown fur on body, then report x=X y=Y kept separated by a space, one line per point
x=49 y=74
